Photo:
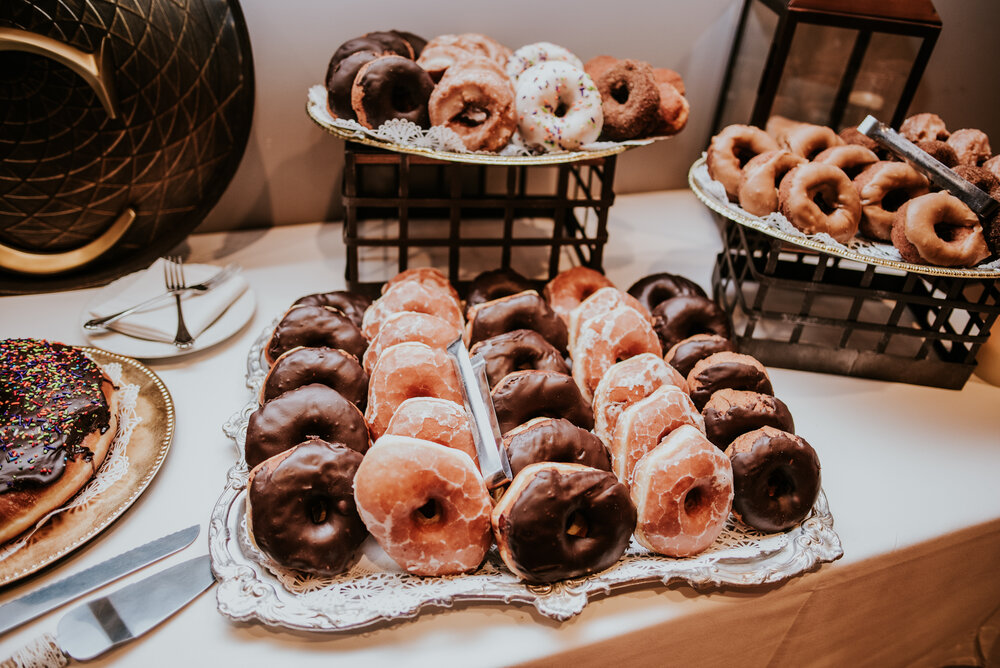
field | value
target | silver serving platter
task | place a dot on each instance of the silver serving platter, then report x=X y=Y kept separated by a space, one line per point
x=374 y=590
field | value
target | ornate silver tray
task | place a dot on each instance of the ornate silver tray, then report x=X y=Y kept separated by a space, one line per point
x=375 y=590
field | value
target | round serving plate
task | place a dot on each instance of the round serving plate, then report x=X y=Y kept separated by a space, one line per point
x=146 y=450
x=710 y=192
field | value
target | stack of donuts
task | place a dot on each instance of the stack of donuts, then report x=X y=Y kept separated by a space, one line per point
x=362 y=429
x=846 y=184
x=484 y=92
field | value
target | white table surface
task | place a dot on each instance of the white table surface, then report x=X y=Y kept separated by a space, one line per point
x=901 y=465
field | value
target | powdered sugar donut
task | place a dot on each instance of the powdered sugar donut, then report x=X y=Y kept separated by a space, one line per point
x=558 y=107
x=530 y=55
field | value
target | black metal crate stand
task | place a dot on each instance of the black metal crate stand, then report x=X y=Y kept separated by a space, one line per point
x=399 y=204
x=794 y=308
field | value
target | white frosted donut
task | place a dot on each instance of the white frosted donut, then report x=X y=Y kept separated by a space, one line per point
x=558 y=107
x=530 y=55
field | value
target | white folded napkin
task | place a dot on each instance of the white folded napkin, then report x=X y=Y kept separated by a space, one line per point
x=159 y=322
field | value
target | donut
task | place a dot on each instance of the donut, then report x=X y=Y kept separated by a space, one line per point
x=851 y=158
x=443 y=51
x=679 y=317
x=683 y=493
x=310 y=411
x=425 y=504
x=730 y=413
x=405 y=370
x=993 y=166
x=685 y=353
x=560 y=521
x=883 y=188
x=529 y=55
x=655 y=288
x=776 y=478
x=340 y=76
x=494 y=284
x=599 y=303
x=940 y=151
x=412 y=296
x=630 y=100
x=673 y=111
x=375 y=42
x=733 y=148
x=410 y=326
x=518 y=350
x=558 y=107
x=758 y=189
x=300 y=508
x=429 y=276
x=610 y=338
x=818 y=198
x=855 y=137
x=351 y=304
x=627 y=382
x=334 y=368
x=314 y=326
x=391 y=87
x=554 y=440
x=665 y=75
x=921 y=127
x=808 y=140
x=646 y=422
x=597 y=65
x=416 y=42
x=980 y=177
x=525 y=310
x=435 y=420
x=939 y=229
x=570 y=287
x=778 y=127
x=523 y=395
x=726 y=369
x=475 y=99
x=972 y=147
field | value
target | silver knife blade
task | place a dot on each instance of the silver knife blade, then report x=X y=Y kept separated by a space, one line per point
x=37 y=603
x=93 y=628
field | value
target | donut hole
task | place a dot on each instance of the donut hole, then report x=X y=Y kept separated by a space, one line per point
x=429 y=513
x=620 y=92
x=317 y=508
x=948 y=232
x=403 y=99
x=743 y=154
x=561 y=109
x=821 y=199
x=525 y=361
x=577 y=525
x=895 y=199
x=696 y=501
x=472 y=115
x=779 y=483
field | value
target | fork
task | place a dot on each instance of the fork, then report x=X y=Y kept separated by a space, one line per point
x=173 y=277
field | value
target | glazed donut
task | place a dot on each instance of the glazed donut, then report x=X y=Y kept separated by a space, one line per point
x=683 y=492
x=375 y=42
x=525 y=310
x=405 y=370
x=939 y=229
x=310 y=411
x=425 y=504
x=558 y=107
x=883 y=188
x=430 y=276
x=655 y=288
x=630 y=100
x=529 y=55
x=600 y=303
x=685 y=353
x=758 y=189
x=610 y=338
x=733 y=148
x=726 y=369
x=680 y=317
x=340 y=76
x=560 y=521
x=993 y=166
x=445 y=50
x=415 y=42
x=300 y=508
x=627 y=382
x=778 y=127
x=334 y=368
x=776 y=479
x=730 y=413
x=409 y=326
x=412 y=296
x=851 y=158
x=554 y=440
x=475 y=99
x=570 y=287
x=818 y=198
x=853 y=136
x=921 y=127
x=351 y=304
x=313 y=326
x=809 y=140
x=391 y=87
x=494 y=284
x=646 y=422
x=673 y=112
x=518 y=350
x=940 y=151
x=972 y=147
x=523 y=395
x=665 y=75
x=435 y=420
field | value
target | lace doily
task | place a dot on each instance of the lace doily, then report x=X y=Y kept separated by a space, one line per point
x=115 y=464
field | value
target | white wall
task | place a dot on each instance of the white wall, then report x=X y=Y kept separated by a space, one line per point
x=291 y=170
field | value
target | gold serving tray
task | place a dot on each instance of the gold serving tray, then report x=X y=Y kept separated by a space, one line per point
x=146 y=450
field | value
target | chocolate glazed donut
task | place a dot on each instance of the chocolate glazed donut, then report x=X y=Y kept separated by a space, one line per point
x=350 y=304
x=494 y=284
x=308 y=326
x=722 y=370
x=300 y=507
x=310 y=411
x=391 y=87
x=554 y=440
x=656 y=288
x=519 y=350
x=731 y=413
x=684 y=354
x=334 y=368
x=776 y=478
x=340 y=77
x=679 y=317
x=525 y=310
x=524 y=395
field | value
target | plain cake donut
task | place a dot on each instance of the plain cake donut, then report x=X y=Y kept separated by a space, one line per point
x=630 y=99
